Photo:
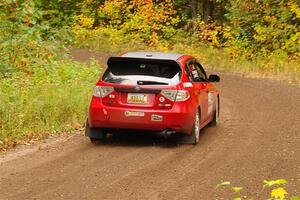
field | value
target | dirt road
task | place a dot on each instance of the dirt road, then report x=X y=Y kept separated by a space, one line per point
x=258 y=138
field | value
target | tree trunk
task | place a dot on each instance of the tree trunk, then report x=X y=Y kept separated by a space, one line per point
x=96 y=13
x=194 y=8
x=207 y=10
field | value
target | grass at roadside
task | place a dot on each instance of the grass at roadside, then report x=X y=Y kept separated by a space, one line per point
x=54 y=99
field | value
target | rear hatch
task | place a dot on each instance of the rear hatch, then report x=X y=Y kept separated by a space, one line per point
x=140 y=83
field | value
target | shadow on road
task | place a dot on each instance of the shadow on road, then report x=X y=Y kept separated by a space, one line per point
x=142 y=139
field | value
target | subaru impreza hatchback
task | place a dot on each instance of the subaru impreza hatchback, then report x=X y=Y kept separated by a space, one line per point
x=153 y=91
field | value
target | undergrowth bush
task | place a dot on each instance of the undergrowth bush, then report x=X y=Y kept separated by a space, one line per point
x=54 y=99
x=124 y=23
x=23 y=43
x=106 y=40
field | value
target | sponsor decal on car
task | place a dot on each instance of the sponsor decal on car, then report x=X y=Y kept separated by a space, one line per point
x=156 y=118
x=134 y=114
x=187 y=84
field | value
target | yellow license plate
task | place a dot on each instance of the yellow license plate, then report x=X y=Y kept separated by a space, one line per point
x=137 y=98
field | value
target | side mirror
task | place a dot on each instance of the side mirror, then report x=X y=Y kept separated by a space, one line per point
x=213 y=78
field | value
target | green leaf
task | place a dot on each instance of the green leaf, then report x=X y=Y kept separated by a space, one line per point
x=223 y=184
x=236 y=189
x=237 y=198
x=295 y=198
x=274 y=182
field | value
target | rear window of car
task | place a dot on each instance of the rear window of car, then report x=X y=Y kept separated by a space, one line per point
x=142 y=72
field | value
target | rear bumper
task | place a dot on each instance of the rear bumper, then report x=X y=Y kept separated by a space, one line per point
x=180 y=118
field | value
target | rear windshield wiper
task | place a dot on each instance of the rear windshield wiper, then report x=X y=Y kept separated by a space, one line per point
x=151 y=83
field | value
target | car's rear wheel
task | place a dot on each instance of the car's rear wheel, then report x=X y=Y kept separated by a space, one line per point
x=196 y=129
x=95 y=134
x=215 y=120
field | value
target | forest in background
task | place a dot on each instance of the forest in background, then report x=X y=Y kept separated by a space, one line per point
x=254 y=30
x=43 y=91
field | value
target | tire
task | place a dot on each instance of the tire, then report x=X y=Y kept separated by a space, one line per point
x=196 y=129
x=95 y=134
x=215 y=120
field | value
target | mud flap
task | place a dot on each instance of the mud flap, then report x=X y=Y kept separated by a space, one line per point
x=95 y=133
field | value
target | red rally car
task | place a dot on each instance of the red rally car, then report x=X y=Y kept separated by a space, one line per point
x=153 y=91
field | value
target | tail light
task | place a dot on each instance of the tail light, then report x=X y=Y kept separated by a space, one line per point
x=176 y=95
x=170 y=94
x=102 y=91
x=182 y=95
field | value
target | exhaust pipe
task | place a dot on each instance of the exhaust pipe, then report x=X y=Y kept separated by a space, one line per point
x=167 y=133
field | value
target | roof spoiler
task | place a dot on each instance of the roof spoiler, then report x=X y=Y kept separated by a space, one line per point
x=149 y=60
